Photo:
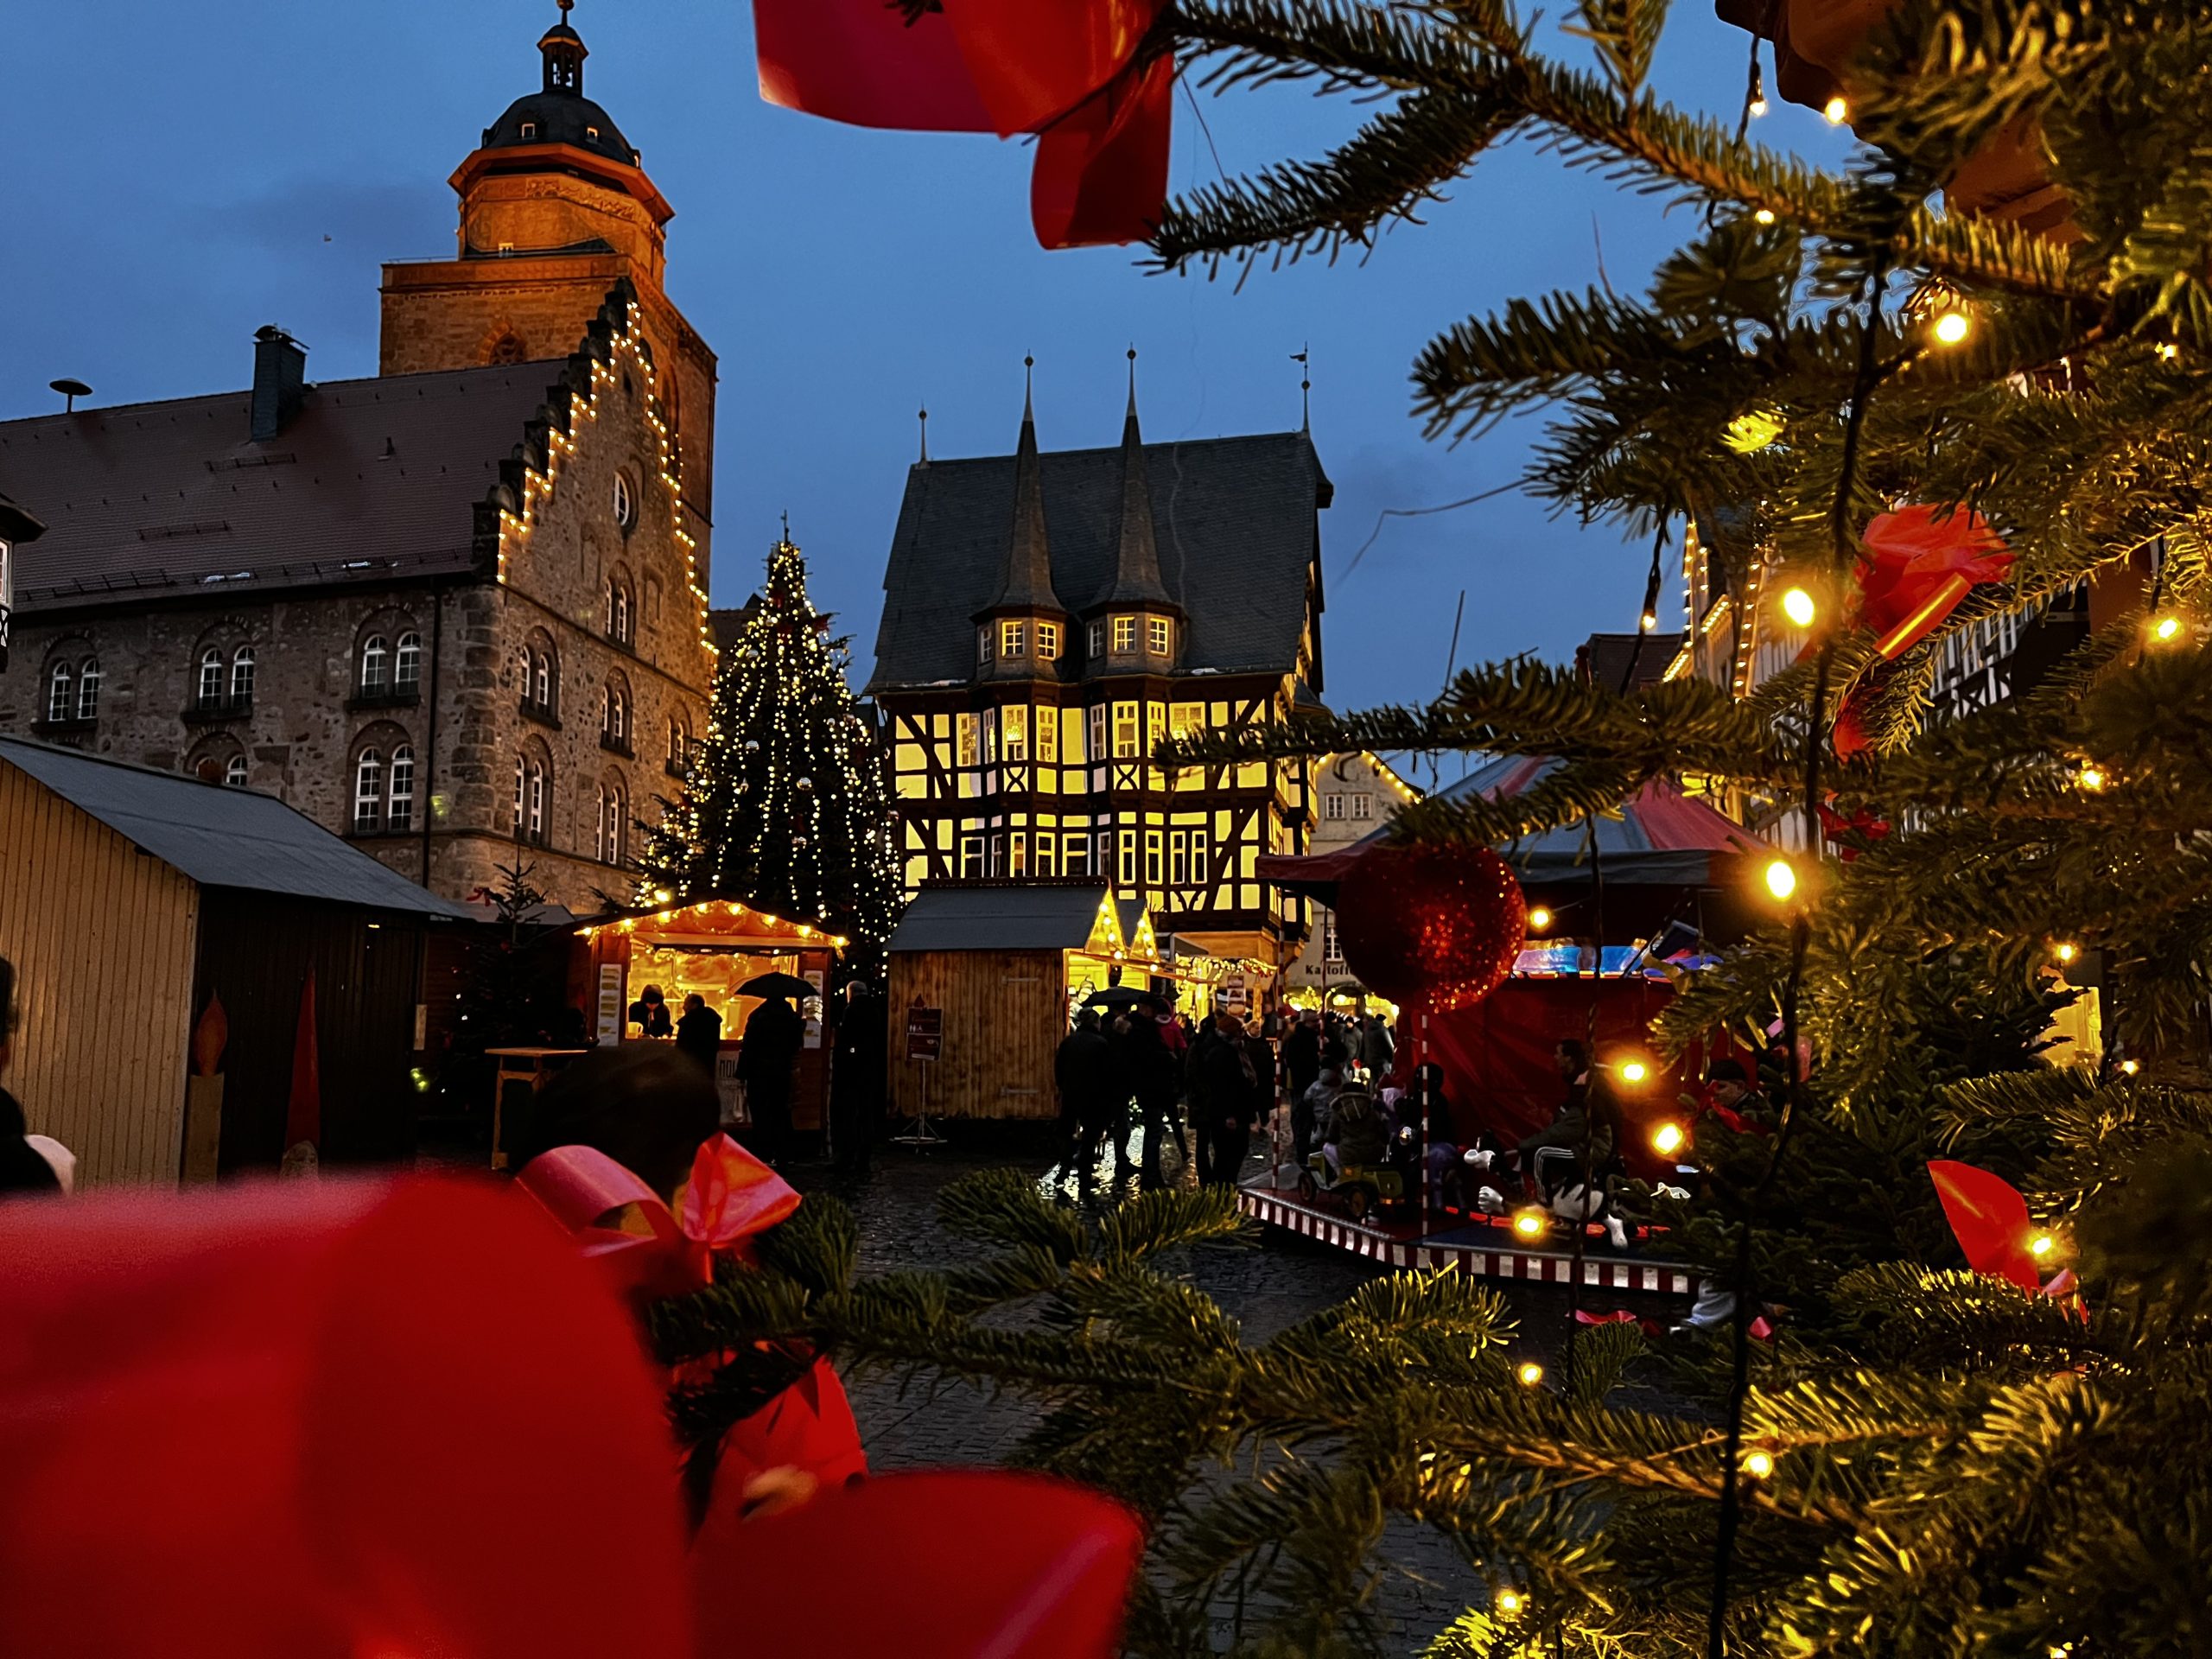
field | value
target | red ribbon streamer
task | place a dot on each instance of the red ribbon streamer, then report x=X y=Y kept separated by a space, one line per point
x=1989 y=1218
x=1919 y=566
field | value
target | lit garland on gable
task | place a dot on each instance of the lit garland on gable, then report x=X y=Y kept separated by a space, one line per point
x=804 y=934
x=616 y=334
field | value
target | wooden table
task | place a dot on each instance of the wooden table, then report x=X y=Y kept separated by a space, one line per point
x=538 y=1066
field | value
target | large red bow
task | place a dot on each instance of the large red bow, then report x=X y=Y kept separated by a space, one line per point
x=1919 y=566
x=1989 y=1218
x=1848 y=832
x=732 y=1195
x=1064 y=70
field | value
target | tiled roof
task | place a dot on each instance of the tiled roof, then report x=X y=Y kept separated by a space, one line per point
x=221 y=837
x=370 y=479
x=1233 y=518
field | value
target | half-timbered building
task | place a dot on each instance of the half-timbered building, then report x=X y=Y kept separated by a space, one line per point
x=1048 y=618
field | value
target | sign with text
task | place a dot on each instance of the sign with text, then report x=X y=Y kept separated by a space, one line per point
x=924 y=1033
x=610 y=1010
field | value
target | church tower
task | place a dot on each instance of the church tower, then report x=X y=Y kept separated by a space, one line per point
x=555 y=209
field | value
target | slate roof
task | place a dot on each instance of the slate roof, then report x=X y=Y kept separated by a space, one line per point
x=221 y=837
x=998 y=918
x=1233 y=518
x=371 y=479
x=1027 y=585
x=1617 y=662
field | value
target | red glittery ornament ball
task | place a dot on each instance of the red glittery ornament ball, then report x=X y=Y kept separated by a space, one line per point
x=1434 y=926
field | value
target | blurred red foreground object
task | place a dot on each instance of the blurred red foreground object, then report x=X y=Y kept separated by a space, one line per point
x=1990 y=1219
x=353 y=1419
x=1009 y=1566
x=1062 y=68
x=344 y=1418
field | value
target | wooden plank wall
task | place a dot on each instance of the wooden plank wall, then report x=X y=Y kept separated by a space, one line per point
x=101 y=937
x=1002 y=1022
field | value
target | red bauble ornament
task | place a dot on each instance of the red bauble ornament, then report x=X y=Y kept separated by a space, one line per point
x=1436 y=926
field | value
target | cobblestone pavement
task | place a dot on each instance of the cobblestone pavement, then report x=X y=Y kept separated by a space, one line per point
x=1265 y=1289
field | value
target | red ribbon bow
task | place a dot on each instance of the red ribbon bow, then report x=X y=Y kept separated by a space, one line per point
x=1618 y=1316
x=731 y=1198
x=1916 y=568
x=1066 y=71
x=1861 y=823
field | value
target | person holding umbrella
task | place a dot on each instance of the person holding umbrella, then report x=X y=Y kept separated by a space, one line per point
x=770 y=1048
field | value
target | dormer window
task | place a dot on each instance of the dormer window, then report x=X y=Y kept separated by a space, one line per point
x=983 y=647
x=1013 y=639
x=1125 y=634
x=592 y=133
x=529 y=128
x=1048 y=642
x=1098 y=640
x=1161 y=635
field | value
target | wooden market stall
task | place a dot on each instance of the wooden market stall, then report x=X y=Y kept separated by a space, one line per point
x=205 y=976
x=991 y=976
x=710 y=948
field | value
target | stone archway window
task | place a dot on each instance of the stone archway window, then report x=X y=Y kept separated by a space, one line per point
x=626 y=500
x=234 y=773
x=88 y=690
x=60 y=692
x=368 y=793
x=506 y=350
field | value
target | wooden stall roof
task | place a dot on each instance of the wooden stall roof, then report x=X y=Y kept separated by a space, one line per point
x=1029 y=916
x=715 y=922
x=219 y=836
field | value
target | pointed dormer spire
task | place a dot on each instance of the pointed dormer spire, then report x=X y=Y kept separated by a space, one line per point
x=925 y=437
x=1136 y=561
x=1028 y=583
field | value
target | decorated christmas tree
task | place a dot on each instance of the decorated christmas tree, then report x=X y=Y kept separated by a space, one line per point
x=783 y=806
x=1963 y=381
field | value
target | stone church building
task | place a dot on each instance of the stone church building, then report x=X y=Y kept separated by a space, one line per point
x=456 y=611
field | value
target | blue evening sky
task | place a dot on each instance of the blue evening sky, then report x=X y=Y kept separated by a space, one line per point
x=178 y=176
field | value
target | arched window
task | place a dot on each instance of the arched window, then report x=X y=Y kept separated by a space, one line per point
x=678 y=744
x=242 y=675
x=518 y=790
x=88 y=690
x=234 y=772
x=400 y=812
x=59 y=693
x=211 y=678
x=621 y=628
x=617 y=825
x=376 y=666
x=599 y=826
x=508 y=348
x=368 y=793
x=542 y=684
x=537 y=820
x=610 y=607
x=407 y=664
x=626 y=503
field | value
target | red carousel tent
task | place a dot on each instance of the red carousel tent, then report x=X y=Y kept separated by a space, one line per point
x=1667 y=857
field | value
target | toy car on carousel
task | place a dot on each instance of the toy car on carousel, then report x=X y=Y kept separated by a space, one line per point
x=1362 y=1190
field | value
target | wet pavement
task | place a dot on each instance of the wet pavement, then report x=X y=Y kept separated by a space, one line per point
x=1265 y=1289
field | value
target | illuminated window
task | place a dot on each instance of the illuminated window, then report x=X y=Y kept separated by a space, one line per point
x=1161 y=635
x=242 y=676
x=407 y=662
x=368 y=792
x=1125 y=633
x=967 y=740
x=400 y=812
x=1048 y=641
x=990 y=740
x=1125 y=731
x=234 y=772
x=1018 y=850
x=1014 y=724
x=1186 y=720
x=59 y=694
x=1156 y=726
x=1011 y=638
x=1048 y=736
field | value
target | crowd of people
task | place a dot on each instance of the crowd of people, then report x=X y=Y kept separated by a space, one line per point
x=1145 y=1072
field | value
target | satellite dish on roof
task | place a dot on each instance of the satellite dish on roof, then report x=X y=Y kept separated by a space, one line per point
x=73 y=389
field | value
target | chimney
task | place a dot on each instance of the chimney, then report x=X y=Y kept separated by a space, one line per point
x=279 y=380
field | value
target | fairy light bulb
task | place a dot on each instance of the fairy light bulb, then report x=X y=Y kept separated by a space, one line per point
x=2166 y=628
x=1648 y=621
x=1952 y=327
x=2065 y=950
x=1798 y=606
x=1511 y=1603
x=1529 y=1223
x=1764 y=216
x=1758 y=1465
x=1781 y=878
x=1540 y=918
x=1756 y=107
x=1529 y=1373
x=1667 y=1140
x=1835 y=111
x=1634 y=1071
x=2091 y=778
x=2129 y=1068
x=2041 y=1245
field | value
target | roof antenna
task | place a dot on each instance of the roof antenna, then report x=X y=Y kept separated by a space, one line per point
x=1305 y=386
x=73 y=389
x=787 y=526
x=925 y=437
x=1133 y=379
x=1028 y=386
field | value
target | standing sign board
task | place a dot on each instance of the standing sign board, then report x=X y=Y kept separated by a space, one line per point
x=611 y=1013
x=924 y=1033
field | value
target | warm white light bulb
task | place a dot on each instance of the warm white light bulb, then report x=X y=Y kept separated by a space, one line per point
x=1953 y=327
x=1836 y=111
x=1781 y=878
x=1667 y=1139
x=1797 y=605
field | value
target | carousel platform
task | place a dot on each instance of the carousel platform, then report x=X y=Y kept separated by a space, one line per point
x=1473 y=1244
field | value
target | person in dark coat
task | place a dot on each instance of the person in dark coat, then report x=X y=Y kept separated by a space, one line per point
x=1301 y=1053
x=22 y=1168
x=1084 y=1070
x=772 y=1036
x=649 y=1014
x=856 y=1080
x=1154 y=1078
x=699 y=1032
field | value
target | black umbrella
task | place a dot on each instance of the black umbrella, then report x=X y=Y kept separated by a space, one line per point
x=1116 y=996
x=776 y=985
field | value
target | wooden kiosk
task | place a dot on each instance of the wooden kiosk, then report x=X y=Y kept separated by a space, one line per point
x=710 y=948
x=1002 y=968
